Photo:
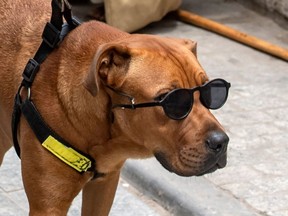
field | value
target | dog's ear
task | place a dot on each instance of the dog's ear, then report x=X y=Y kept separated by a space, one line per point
x=110 y=64
x=191 y=45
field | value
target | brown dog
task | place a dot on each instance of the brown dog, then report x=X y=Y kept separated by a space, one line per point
x=73 y=93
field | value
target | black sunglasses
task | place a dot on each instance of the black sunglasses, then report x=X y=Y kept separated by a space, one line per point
x=177 y=104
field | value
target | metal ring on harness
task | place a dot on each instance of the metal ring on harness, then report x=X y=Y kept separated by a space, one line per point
x=28 y=91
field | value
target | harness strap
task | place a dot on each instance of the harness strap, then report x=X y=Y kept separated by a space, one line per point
x=15 y=122
x=53 y=34
x=53 y=142
x=51 y=38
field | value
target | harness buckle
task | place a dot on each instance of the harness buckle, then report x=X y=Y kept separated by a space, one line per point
x=30 y=71
x=51 y=35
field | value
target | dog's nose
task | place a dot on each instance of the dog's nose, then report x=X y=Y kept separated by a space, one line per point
x=217 y=141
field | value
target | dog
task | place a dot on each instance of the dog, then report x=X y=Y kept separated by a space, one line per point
x=85 y=90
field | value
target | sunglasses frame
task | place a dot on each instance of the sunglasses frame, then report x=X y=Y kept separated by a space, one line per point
x=162 y=101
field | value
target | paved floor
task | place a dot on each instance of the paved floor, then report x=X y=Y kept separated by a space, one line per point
x=255 y=181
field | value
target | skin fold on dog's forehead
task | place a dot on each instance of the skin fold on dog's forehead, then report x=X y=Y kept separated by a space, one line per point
x=169 y=63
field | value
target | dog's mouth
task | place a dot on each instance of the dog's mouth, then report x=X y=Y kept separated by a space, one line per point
x=221 y=163
x=197 y=169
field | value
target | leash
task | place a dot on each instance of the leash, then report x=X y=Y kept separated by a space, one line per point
x=53 y=34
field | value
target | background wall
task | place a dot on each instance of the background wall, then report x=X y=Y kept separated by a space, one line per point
x=280 y=6
x=277 y=9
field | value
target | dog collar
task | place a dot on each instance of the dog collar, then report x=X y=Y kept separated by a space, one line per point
x=53 y=34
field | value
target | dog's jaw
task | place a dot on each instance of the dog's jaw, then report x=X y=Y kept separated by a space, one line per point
x=185 y=165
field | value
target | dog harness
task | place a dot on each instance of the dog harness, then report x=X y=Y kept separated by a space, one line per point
x=54 y=32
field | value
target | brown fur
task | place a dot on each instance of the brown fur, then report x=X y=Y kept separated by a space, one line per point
x=70 y=93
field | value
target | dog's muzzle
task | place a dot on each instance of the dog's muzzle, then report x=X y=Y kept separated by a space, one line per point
x=191 y=161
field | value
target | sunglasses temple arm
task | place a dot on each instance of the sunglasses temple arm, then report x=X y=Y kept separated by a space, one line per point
x=134 y=106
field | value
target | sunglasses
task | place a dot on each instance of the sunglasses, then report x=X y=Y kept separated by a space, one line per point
x=178 y=103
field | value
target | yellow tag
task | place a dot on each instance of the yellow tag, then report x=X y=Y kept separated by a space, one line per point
x=67 y=154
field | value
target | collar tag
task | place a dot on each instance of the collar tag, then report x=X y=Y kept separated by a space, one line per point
x=68 y=155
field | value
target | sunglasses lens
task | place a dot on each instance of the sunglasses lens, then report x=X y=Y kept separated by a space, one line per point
x=214 y=94
x=177 y=104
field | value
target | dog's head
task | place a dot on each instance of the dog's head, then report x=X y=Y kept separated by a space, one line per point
x=144 y=69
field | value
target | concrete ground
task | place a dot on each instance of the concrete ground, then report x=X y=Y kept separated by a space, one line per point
x=255 y=181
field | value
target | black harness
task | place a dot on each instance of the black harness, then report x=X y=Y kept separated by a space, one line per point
x=54 y=32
